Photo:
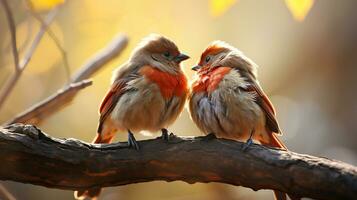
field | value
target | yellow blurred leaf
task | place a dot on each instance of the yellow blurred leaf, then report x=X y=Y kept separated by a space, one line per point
x=219 y=7
x=299 y=8
x=45 y=4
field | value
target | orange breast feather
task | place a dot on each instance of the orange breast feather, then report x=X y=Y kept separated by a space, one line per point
x=208 y=81
x=169 y=84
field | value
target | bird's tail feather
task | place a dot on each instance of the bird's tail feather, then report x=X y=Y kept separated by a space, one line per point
x=100 y=139
x=279 y=195
x=87 y=194
x=275 y=142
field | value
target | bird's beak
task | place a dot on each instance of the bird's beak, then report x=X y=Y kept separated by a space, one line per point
x=181 y=57
x=195 y=68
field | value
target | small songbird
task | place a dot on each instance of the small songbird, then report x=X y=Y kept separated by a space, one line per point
x=227 y=101
x=148 y=93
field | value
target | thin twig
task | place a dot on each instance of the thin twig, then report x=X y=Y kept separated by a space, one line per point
x=10 y=18
x=63 y=53
x=54 y=39
x=41 y=110
x=9 y=85
x=52 y=103
x=5 y=194
x=12 y=27
x=115 y=47
x=23 y=46
x=29 y=35
x=29 y=53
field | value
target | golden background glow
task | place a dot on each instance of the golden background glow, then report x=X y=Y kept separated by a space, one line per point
x=307 y=52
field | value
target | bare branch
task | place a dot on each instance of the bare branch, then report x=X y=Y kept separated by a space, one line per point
x=36 y=158
x=41 y=110
x=9 y=85
x=12 y=28
x=53 y=37
x=4 y=194
x=29 y=53
x=63 y=53
x=115 y=47
x=38 y=112
x=51 y=104
x=29 y=36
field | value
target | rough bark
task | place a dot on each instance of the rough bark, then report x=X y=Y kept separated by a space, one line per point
x=30 y=156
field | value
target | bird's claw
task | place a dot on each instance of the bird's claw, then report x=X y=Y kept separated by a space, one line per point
x=248 y=143
x=132 y=143
x=165 y=134
x=209 y=136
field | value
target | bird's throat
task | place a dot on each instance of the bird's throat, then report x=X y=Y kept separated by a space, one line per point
x=209 y=81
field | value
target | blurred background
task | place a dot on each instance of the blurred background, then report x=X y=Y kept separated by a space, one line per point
x=307 y=58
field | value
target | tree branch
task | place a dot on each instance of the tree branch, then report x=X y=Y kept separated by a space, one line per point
x=5 y=194
x=20 y=67
x=30 y=156
x=12 y=28
x=114 y=49
x=55 y=102
x=53 y=37
x=51 y=104
x=29 y=53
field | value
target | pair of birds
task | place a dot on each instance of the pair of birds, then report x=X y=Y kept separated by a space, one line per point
x=149 y=92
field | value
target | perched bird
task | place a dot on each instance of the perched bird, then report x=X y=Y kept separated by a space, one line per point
x=148 y=93
x=227 y=101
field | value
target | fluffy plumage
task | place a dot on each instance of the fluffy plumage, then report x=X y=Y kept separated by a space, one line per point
x=227 y=100
x=147 y=93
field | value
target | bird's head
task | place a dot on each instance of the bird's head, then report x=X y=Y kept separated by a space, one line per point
x=159 y=52
x=211 y=56
x=222 y=54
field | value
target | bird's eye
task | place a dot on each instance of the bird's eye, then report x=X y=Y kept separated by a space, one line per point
x=208 y=58
x=167 y=54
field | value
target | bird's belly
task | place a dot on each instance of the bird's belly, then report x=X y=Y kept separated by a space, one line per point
x=144 y=109
x=228 y=115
